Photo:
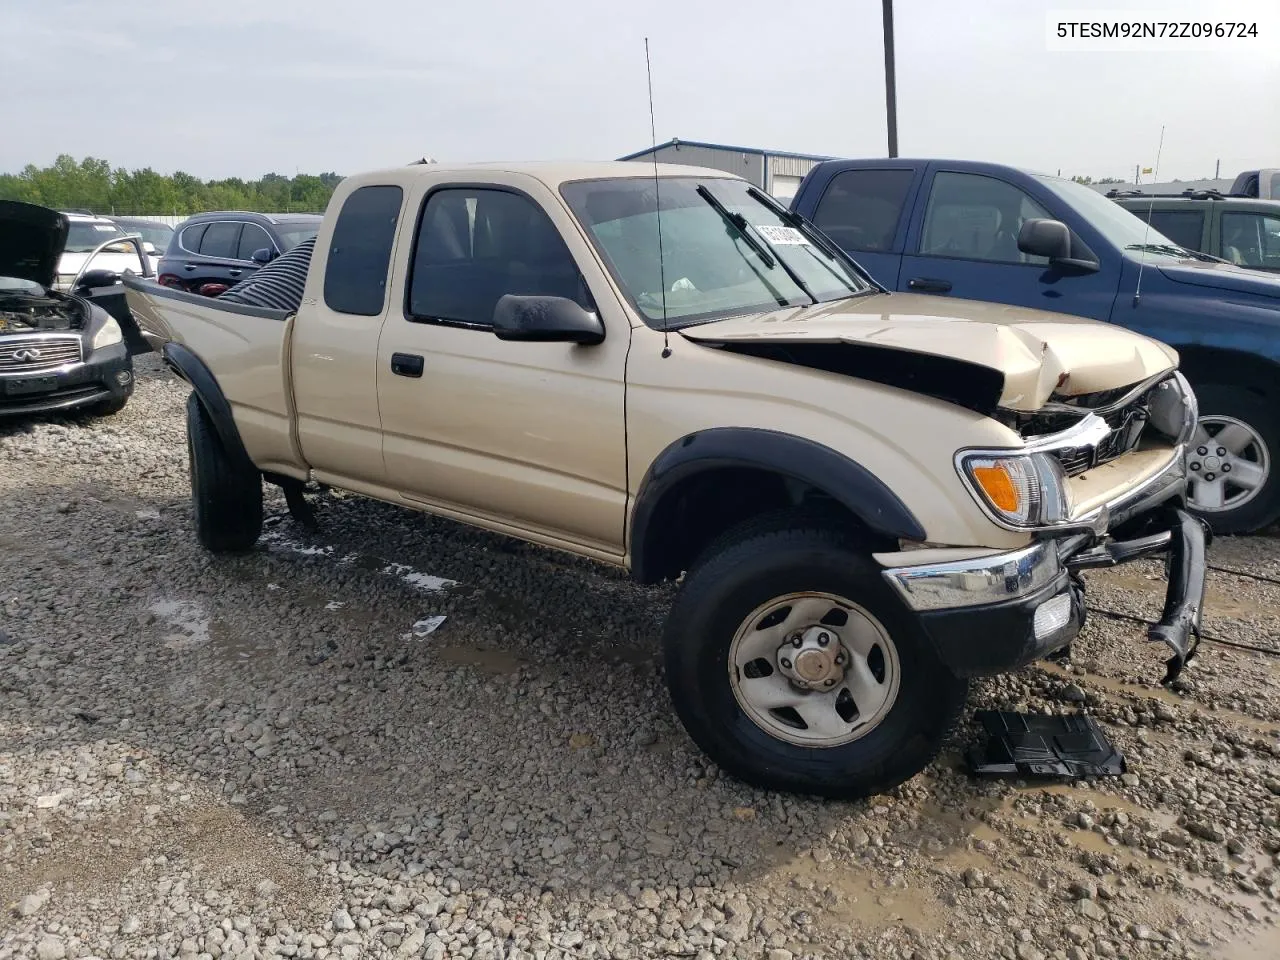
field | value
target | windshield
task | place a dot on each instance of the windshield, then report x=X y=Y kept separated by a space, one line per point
x=724 y=252
x=1122 y=227
x=85 y=236
x=156 y=234
x=292 y=234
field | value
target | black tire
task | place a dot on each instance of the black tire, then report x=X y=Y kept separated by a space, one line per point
x=1244 y=405
x=109 y=407
x=780 y=556
x=226 y=497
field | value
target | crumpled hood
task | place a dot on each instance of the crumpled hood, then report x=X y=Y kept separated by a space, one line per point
x=1223 y=276
x=1038 y=354
x=31 y=241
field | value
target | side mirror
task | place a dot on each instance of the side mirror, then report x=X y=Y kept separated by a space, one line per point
x=1051 y=239
x=262 y=255
x=92 y=279
x=149 y=248
x=545 y=320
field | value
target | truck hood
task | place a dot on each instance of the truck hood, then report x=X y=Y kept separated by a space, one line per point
x=31 y=241
x=1221 y=276
x=989 y=355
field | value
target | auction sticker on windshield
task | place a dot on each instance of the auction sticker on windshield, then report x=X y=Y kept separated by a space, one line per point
x=782 y=235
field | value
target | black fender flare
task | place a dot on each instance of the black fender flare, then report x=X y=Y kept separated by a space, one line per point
x=845 y=480
x=193 y=370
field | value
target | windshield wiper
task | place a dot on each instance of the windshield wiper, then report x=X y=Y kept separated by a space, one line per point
x=739 y=223
x=1166 y=248
x=818 y=239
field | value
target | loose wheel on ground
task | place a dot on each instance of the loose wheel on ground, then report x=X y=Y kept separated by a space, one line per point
x=794 y=667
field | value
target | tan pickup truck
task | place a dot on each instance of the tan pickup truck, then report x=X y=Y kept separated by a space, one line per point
x=868 y=497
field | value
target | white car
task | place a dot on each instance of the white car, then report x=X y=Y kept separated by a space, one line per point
x=89 y=238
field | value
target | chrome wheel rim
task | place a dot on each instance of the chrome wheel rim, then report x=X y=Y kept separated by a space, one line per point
x=1227 y=464
x=814 y=669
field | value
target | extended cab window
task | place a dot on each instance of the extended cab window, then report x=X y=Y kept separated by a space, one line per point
x=1251 y=240
x=1183 y=227
x=476 y=245
x=220 y=240
x=974 y=217
x=355 y=274
x=860 y=209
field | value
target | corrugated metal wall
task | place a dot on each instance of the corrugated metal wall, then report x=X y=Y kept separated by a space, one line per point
x=748 y=165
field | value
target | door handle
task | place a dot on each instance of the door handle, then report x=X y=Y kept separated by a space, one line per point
x=406 y=364
x=188 y=266
x=928 y=285
x=234 y=273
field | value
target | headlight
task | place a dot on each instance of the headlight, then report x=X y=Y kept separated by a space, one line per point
x=107 y=334
x=1027 y=490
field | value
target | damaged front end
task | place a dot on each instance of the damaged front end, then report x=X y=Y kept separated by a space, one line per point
x=1099 y=481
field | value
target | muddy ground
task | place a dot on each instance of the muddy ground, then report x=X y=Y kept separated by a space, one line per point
x=289 y=753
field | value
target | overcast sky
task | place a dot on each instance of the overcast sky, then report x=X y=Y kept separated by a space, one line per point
x=236 y=88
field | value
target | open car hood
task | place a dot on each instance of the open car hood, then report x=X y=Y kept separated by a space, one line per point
x=31 y=241
x=982 y=355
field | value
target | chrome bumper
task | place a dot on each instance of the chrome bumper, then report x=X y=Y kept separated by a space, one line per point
x=1009 y=576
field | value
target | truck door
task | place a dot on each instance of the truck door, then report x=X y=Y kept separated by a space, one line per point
x=335 y=341
x=866 y=210
x=963 y=242
x=527 y=438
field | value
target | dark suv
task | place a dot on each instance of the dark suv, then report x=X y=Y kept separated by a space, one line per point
x=1240 y=230
x=213 y=251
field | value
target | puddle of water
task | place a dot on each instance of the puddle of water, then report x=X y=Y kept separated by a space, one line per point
x=414 y=578
x=859 y=898
x=187 y=619
x=1219 y=600
x=1163 y=694
x=486 y=661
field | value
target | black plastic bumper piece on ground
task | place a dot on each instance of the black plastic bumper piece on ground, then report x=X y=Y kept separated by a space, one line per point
x=1038 y=745
x=998 y=637
x=1179 y=625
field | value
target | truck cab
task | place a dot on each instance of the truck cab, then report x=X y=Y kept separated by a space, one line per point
x=983 y=231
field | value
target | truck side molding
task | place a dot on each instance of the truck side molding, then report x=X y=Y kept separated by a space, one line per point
x=845 y=480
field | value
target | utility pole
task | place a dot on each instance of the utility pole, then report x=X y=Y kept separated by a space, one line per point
x=1217 y=169
x=890 y=83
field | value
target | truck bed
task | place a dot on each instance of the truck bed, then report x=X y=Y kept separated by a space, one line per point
x=245 y=347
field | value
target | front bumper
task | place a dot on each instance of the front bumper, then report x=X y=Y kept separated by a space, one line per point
x=106 y=374
x=994 y=613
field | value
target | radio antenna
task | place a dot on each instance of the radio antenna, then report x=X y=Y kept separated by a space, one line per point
x=657 y=204
x=1137 y=290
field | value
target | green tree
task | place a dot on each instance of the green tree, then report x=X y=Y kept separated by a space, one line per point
x=91 y=184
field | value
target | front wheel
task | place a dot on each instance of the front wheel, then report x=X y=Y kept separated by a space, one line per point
x=793 y=666
x=1231 y=461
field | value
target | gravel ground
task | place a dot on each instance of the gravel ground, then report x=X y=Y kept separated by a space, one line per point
x=290 y=754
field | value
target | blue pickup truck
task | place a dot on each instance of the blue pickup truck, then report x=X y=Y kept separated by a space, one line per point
x=983 y=231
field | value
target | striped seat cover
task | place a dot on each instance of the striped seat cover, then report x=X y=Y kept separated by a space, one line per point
x=277 y=285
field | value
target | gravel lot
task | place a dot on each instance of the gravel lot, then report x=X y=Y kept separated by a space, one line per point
x=288 y=754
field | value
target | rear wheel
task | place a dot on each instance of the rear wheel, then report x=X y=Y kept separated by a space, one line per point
x=794 y=667
x=1231 y=461
x=226 y=496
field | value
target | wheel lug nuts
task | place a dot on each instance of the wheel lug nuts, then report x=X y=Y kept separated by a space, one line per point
x=829 y=683
x=1195 y=465
x=797 y=640
x=1203 y=451
x=839 y=658
x=1222 y=451
x=1226 y=468
x=823 y=639
x=786 y=664
x=1211 y=476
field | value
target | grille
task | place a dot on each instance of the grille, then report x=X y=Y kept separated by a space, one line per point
x=1126 y=429
x=29 y=354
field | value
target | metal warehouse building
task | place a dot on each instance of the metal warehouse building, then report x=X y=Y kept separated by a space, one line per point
x=773 y=171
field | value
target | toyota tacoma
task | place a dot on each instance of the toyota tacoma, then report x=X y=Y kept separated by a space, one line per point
x=867 y=497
